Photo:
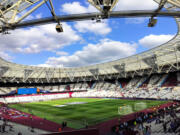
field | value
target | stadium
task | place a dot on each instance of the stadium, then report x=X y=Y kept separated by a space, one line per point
x=136 y=95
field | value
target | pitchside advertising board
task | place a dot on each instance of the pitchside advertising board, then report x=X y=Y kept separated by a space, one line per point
x=22 y=91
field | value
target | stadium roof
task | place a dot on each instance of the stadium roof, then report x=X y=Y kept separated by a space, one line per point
x=162 y=59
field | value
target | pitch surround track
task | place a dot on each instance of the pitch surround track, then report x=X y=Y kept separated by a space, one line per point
x=162 y=59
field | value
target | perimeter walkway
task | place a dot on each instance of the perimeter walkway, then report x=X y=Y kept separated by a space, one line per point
x=14 y=129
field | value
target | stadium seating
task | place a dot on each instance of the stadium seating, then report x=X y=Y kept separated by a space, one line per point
x=157 y=93
x=158 y=86
x=33 y=98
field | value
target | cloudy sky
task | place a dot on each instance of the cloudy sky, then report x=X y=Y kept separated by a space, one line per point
x=85 y=42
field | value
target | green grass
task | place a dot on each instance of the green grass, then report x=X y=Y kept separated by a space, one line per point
x=92 y=112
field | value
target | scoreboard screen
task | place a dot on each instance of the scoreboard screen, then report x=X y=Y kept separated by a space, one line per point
x=22 y=91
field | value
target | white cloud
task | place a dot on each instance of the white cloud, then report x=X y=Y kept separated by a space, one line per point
x=47 y=65
x=61 y=53
x=151 y=41
x=37 y=39
x=42 y=65
x=77 y=8
x=136 y=5
x=96 y=28
x=6 y=56
x=86 y=26
x=139 y=20
x=106 y=50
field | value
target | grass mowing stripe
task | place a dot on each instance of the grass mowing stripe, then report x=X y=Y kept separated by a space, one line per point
x=93 y=112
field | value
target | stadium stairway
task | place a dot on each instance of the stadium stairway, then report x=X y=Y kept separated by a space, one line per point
x=171 y=80
x=141 y=81
x=162 y=80
x=153 y=80
x=119 y=84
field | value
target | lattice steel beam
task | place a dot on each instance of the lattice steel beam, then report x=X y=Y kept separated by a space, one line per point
x=81 y=17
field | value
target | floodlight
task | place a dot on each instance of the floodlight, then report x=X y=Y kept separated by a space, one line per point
x=152 y=22
x=59 y=28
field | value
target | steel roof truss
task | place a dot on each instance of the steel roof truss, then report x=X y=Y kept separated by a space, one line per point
x=38 y=77
x=71 y=75
x=27 y=72
x=3 y=70
x=49 y=74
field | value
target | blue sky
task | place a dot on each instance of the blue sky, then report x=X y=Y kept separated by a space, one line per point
x=85 y=43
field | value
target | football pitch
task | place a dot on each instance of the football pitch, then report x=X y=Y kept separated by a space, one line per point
x=78 y=112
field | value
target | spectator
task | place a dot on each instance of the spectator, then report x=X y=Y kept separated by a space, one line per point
x=3 y=127
x=19 y=133
x=164 y=126
x=148 y=130
x=63 y=124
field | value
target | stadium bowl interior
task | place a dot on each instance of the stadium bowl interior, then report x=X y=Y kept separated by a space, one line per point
x=143 y=86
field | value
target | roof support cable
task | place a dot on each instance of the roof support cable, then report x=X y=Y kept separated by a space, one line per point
x=152 y=21
x=51 y=8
